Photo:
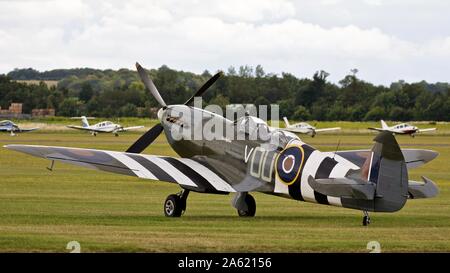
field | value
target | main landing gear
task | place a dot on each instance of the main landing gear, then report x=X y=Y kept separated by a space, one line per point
x=175 y=204
x=250 y=203
x=366 y=218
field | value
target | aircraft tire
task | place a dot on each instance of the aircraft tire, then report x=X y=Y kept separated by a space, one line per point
x=366 y=220
x=173 y=206
x=251 y=204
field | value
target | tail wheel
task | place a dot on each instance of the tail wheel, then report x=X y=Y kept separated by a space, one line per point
x=251 y=207
x=173 y=206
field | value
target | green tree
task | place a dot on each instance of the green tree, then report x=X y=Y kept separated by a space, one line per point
x=301 y=113
x=70 y=107
x=376 y=113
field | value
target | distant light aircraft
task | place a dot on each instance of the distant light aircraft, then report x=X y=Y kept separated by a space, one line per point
x=12 y=128
x=368 y=180
x=102 y=127
x=305 y=128
x=402 y=129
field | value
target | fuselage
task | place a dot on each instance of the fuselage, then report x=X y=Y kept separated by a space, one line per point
x=303 y=128
x=105 y=126
x=252 y=156
x=403 y=128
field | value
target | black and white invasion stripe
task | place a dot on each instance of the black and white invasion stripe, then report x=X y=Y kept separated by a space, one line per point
x=189 y=173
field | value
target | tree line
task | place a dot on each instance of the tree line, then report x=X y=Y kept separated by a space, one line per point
x=114 y=93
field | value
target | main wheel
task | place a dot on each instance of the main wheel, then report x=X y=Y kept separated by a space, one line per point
x=251 y=207
x=173 y=207
x=366 y=220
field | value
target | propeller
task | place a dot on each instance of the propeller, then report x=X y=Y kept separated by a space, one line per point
x=204 y=87
x=146 y=139
x=150 y=85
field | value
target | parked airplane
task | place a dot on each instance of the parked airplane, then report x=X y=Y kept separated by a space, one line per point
x=403 y=129
x=102 y=127
x=12 y=128
x=305 y=128
x=283 y=165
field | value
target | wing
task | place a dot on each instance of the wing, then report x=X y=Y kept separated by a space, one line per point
x=85 y=129
x=132 y=128
x=21 y=130
x=188 y=173
x=296 y=130
x=427 y=130
x=413 y=157
x=328 y=129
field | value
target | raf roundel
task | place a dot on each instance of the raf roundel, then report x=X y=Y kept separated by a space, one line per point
x=289 y=163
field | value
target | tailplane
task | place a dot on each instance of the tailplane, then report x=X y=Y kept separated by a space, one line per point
x=286 y=121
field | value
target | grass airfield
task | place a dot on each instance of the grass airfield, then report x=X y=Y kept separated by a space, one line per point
x=41 y=211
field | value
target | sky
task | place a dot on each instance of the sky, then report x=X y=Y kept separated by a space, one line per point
x=385 y=40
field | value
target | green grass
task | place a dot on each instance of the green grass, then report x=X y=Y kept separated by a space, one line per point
x=41 y=211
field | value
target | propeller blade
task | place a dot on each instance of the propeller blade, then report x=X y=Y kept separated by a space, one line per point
x=146 y=139
x=150 y=85
x=205 y=87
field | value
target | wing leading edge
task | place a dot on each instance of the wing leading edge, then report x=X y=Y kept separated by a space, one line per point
x=188 y=173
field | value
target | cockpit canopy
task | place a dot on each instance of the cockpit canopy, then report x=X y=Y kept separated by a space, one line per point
x=6 y=123
x=252 y=126
x=403 y=125
x=257 y=129
x=105 y=123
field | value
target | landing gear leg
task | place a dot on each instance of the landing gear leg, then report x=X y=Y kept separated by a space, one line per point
x=175 y=204
x=366 y=218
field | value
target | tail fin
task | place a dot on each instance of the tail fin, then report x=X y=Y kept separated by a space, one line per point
x=382 y=184
x=286 y=121
x=384 y=125
x=84 y=121
x=388 y=171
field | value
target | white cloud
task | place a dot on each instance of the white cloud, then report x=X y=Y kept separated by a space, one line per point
x=196 y=35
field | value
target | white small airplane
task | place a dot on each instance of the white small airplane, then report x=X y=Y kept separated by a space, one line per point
x=305 y=128
x=102 y=127
x=12 y=128
x=401 y=129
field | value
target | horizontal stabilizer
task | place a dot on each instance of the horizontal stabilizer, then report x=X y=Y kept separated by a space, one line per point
x=413 y=157
x=427 y=189
x=328 y=129
x=343 y=187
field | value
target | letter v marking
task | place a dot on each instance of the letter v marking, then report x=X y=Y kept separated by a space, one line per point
x=247 y=156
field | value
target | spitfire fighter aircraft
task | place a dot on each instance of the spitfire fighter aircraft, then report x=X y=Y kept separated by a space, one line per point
x=102 y=127
x=12 y=128
x=268 y=160
x=305 y=128
x=402 y=129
